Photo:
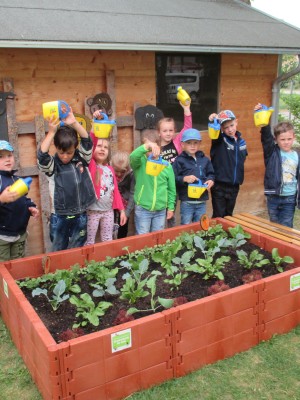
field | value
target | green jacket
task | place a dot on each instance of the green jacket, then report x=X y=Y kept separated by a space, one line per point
x=154 y=193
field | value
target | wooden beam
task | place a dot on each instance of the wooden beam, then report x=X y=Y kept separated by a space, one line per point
x=124 y=120
x=136 y=133
x=12 y=125
x=111 y=90
x=44 y=186
x=267 y=229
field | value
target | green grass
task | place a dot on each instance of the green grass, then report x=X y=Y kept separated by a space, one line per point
x=15 y=380
x=269 y=371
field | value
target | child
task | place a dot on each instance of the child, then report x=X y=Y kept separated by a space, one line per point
x=124 y=174
x=73 y=189
x=15 y=211
x=192 y=166
x=282 y=171
x=101 y=212
x=228 y=155
x=171 y=143
x=154 y=196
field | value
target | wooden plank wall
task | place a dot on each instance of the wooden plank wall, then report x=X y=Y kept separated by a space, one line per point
x=41 y=75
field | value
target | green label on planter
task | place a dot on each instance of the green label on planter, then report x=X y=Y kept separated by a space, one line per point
x=5 y=287
x=121 y=340
x=294 y=282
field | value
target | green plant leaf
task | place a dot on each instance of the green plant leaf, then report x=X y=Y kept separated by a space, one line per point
x=166 y=303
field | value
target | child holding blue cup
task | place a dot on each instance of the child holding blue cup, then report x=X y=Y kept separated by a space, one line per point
x=192 y=167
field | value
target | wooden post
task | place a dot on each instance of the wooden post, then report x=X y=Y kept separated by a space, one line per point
x=12 y=126
x=111 y=90
x=136 y=132
x=44 y=186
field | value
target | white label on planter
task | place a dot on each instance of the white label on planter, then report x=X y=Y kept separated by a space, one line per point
x=121 y=340
x=295 y=282
x=5 y=287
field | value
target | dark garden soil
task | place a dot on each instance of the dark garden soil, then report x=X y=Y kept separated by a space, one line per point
x=60 y=322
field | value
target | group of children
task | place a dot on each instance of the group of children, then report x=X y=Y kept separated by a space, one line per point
x=93 y=189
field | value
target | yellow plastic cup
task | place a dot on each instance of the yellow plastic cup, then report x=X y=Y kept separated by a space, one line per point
x=102 y=127
x=196 y=190
x=21 y=186
x=214 y=129
x=154 y=167
x=262 y=117
x=59 y=109
x=183 y=96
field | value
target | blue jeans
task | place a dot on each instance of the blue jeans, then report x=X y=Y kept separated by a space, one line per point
x=67 y=231
x=281 y=209
x=191 y=212
x=148 y=221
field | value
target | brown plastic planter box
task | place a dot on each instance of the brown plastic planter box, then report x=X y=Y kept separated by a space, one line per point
x=165 y=345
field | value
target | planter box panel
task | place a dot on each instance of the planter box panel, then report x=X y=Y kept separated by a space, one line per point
x=90 y=362
x=125 y=363
x=34 y=266
x=82 y=351
x=207 y=334
x=156 y=375
x=154 y=353
x=172 y=233
x=245 y=340
x=25 y=267
x=121 y=388
x=114 y=247
x=283 y=305
x=280 y=325
x=218 y=306
x=280 y=306
x=153 y=328
x=220 y=350
x=191 y=361
x=244 y=321
x=98 y=392
x=279 y=285
x=85 y=378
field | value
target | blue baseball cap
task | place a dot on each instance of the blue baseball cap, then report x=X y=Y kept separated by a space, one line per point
x=226 y=115
x=191 y=134
x=4 y=145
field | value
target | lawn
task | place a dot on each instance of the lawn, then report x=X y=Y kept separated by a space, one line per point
x=267 y=371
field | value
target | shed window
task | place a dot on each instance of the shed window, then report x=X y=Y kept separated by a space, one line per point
x=198 y=74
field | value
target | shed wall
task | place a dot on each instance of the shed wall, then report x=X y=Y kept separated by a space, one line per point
x=41 y=75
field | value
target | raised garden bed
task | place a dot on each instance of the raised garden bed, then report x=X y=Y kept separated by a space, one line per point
x=114 y=362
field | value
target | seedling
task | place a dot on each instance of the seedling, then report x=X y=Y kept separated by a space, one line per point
x=58 y=294
x=156 y=303
x=278 y=261
x=254 y=260
x=88 y=310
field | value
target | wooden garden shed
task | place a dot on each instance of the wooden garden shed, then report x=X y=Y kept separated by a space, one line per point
x=73 y=50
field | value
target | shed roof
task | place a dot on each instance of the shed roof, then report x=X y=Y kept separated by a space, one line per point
x=154 y=25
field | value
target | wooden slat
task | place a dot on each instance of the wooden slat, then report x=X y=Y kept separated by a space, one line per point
x=44 y=186
x=136 y=133
x=268 y=231
x=29 y=127
x=111 y=90
x=12 y=125
x=28 y=171
x=285 y=230
x=124 y=120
